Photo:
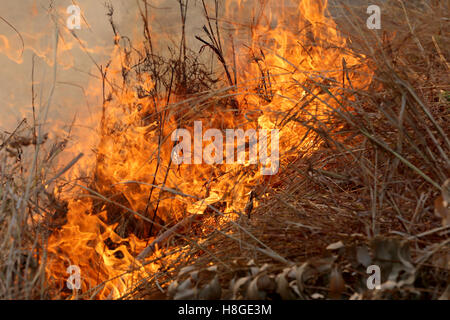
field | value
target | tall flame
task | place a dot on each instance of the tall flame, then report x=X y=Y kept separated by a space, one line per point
x=273 y=56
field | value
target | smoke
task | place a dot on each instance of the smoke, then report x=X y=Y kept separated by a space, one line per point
x=27 y=40
x=77 y=98
x=35 y=21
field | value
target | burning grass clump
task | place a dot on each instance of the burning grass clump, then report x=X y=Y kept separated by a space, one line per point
x=370 y=186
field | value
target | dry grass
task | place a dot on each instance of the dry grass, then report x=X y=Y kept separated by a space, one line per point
x=372 y=185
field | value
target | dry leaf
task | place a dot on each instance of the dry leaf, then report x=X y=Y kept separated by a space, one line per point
x=335 y=246
x=446 y=294
x=317 y=296
x=300 y=275
x=363 y=256
x=253 y=293
x=441 y=210
x=446 y=191
x=393 y=257
x=441 y=204
x=212 y=291
x=337 y=283
x=283 y=288
x=186 y=284
x=266 y=283
x=185 y=270
x=172 y=290
x=188 y=294
x=185 y=291
x=238 y=284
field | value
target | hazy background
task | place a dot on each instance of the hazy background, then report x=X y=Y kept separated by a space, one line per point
x=34 y=20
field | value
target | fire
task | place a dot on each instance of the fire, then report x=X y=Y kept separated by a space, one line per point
x=133 y=178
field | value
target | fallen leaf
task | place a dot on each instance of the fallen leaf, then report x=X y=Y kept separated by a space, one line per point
x=337 y=283
x=266 y=283
x=441 y=210
x=283 y=288
x=189 y=294
x=212 y=291
x=363 y=256
x=185 y=270
x=253 y=293
x=317 y=296
x=238 y=284
x=335 y=246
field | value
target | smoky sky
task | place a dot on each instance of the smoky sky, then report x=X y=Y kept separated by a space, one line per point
x=35 y=20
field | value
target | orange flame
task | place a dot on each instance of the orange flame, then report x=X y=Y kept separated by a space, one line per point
x=275 y=56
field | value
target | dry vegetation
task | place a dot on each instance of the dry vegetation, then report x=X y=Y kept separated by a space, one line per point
x=375 y=192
